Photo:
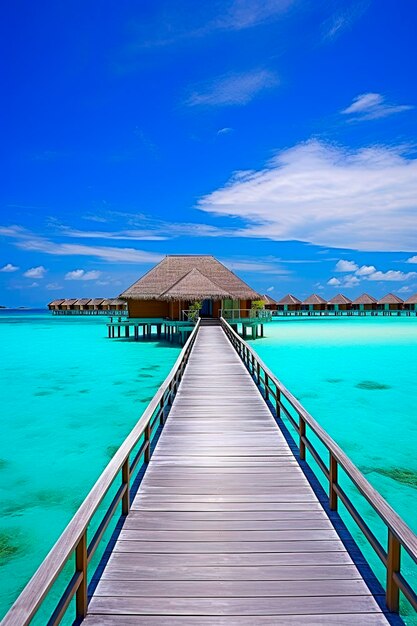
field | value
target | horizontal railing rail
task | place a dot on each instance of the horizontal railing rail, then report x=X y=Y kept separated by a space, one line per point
x=74 y=538
x=238 y=314
x=399 y=535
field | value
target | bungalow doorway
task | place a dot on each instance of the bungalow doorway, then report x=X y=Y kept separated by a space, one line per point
x=207 y=308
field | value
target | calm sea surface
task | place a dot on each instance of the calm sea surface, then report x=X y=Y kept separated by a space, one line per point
x=358 y=378
x=69 y=396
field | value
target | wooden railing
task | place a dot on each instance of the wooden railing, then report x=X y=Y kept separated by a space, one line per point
x=400 y=536
x=74 y=538
x=263 y=315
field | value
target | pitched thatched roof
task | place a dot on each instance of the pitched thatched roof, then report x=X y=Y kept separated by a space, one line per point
x=82 y=301
x=96 y=301
x=116 y=302
x=390 y=298
x=365 y=298
x=56 y=302
x=268 y=300
x=184 y=277
x=412 y=299
x=340 y=299
x=70 y=301
x=314 y=299
x=289 y=299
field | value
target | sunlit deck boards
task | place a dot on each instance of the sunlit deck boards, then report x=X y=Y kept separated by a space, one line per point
x=225 y=528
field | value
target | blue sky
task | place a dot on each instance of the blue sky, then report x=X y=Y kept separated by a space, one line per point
x=278 y=135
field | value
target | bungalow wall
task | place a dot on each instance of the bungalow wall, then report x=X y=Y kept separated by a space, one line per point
x=364 y=307
x=148 y=308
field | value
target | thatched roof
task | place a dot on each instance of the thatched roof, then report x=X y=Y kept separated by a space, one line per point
x=412 y=299
x=390 y=298
x=56 y=302
x=340 y=299
x=268 y=300
x=82 y=301
x=116 y=302
x=69 y=301
x=365 y=298
x=95 y=301
x=187 y=277
x=314 y=299
x=289 y=299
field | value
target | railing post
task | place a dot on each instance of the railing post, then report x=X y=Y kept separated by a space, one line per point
x=302 y=433
x=266 y=386
x=162 y=409
x=258 y=372
x=332 y=482
x=278 y=402
x=392 y=597
x=126 y=481
x=148 y=441
x=81 y=597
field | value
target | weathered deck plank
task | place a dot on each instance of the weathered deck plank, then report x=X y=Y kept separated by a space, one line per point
x=225 y=528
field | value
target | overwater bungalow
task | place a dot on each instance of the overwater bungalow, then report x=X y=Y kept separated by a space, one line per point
x=95 y=304
x=411 y=303
x=81 y=304
x=339 y=303
x=171 y=287
x=289 y=303
x=68 y=304
x=365 y=302
x=390 y=302
x=270 y=303
x=113 y=304
x=314 y=303
x=55 y=305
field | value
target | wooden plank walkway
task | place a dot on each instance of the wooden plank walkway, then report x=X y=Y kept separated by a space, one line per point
x=225 y=528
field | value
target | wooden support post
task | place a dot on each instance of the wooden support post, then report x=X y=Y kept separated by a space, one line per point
x=148 y=440
x=162 y=409
x=81 y=597
x=392 y=597
x=278 y=403
x=262 y=330
x=127 y=330
x=302 y=433
x=266 y=387
x=258 y=372
x=332 y=482
x=136 y=332
x=126 y=481
x=109 y=329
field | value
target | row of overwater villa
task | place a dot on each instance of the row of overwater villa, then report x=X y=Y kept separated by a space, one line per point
x=340 y=304
x=88 y=306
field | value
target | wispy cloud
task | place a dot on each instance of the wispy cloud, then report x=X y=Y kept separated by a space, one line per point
x=82 y=275
x=133 y=234
x=412 y=259
x=328 y=196
x=8 y=268
x=343 y=20
x=35 y=272
x=372 y=106
x=54 y=287
x=225 y=131
x=181 y=26
x=232 y=89
x=26 y=240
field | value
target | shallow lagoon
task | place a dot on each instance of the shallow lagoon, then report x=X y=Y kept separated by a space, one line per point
x=358 y=377
x=68 y=397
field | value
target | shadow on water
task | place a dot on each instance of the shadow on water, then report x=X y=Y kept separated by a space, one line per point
x=9 y=546
x=372 y=385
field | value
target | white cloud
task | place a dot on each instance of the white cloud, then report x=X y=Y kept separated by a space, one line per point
x=345 y=266
x=394 y=275
x=351 y=281
x=9 y=268
x=53 y=286
x=328 y=196
x=225 y=131
x=412 y=259
x=82 y=275
x=35 y=272
x=233 y=89
x=334 y=282
x=365 y=270
x=372 y=106
x=270 y=289
x=404 y=289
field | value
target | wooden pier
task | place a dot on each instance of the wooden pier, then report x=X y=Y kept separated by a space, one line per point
x=227 y=526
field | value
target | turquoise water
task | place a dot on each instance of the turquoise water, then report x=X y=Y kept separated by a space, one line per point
x=358 y=378
x=68 y=397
